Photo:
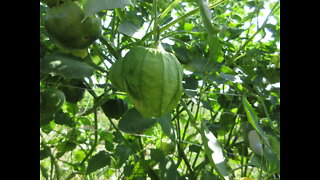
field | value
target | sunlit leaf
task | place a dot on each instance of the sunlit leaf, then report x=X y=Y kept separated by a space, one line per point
x=215 y=48
x=131 y=29
x=95 y=6
x=271 y=158
x=227 y=76
x=133 y=122
x=98 y=161
x=214 y=151
x=67 y=66
x=253 y=118
x=188 y=26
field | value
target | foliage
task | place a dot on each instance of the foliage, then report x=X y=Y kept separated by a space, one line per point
x=227 y=122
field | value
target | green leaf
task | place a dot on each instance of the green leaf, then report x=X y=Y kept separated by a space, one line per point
x=208 y=176
x=253 y=118
x=157 y=155
x=44 y=172
x=234 y=32
x=97 y=103
x=122 y=152
x=168 y=170
x=227 y=70
x=194 y=148
x=257 y=161
x=66 y=146
x=223 y=31
x=227 y=77
x=79 y=155
x=274 y=144
x=188 y=26
x=99 y=160
x=168 y=9
x=108 y=145
x=271 y=158
x=201 y=64
x=273 y=163
x=167 y=127
x=64 y=119
x=127 y=170
x=215 y=47
x=206 y=104
x=131 y=29
x=133 y=122
x=181 y=53
x=206 y=16
x=190 y=82
x=44 y=153
x=68 y=66
x=95 y=6
x=214 y=152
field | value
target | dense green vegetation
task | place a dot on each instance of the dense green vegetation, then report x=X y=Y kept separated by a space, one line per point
x=225 y=123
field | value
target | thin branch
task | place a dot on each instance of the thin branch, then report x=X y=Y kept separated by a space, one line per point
x=95 y=143
x=251 y=38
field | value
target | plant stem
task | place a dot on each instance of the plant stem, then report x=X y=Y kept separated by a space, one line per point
x=113 y=27
x=202 y=164
x=141 y=148
x=97 y=50
x=155 y=23
x=264 y=107
x=183 y=155
x=195 y=160
x=112 y=50
x=95 y=143
x=52 y=159
x=231 y=130
x=118 y=131
x=181 y=18
x=251 y=38
x=90 y=90
x=93 y=147
x=178 y=123
x=150 y=170
x=169 y=8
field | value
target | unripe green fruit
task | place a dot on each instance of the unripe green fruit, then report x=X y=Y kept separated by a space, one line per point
x=63 y=24
x=73 y=90
x=151 y=77
x=167 y=148
x=115 y=108
x=51 y=100
x=115 y=75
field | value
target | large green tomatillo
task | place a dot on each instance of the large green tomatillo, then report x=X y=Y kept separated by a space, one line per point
x=65 y=27
x=73 y=90
x=51 y=100
x=115 y=108
x=152 y=78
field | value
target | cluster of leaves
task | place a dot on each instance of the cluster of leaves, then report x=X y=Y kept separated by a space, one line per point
x=231 y=60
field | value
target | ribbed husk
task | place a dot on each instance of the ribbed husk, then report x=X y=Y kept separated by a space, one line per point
x=152 y=78
x=66 y=29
